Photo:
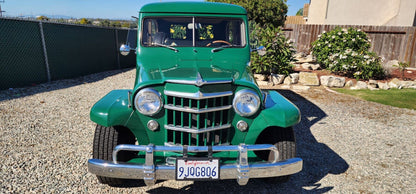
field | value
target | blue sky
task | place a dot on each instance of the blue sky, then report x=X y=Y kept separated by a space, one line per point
x=115 y=9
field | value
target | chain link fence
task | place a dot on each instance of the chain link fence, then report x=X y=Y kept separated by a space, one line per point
x=33 y=52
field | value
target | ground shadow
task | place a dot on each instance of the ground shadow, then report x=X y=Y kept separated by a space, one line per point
x=319 y=161
x=13 y=93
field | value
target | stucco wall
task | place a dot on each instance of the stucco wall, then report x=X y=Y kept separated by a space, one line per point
x=359 y=12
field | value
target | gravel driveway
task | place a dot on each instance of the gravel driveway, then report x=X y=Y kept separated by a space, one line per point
x=348 y=145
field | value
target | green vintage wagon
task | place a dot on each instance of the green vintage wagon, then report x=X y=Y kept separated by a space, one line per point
x=195 y=112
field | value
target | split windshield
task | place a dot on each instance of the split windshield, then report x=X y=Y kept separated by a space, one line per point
x=193 y=31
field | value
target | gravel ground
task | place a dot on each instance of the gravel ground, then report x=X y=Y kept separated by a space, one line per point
x=348 y=145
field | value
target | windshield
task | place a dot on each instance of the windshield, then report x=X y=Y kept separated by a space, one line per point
x=193 y=31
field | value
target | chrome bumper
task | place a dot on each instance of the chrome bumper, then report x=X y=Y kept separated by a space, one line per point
x=150 y=172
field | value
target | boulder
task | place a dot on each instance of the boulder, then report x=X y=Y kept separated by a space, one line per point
x=390 y=66
x=308 y=79
x=359 y=86
x=277 y=79
x=294 y=77
x=372 y=83
x=331 y=81
x=394 y=83
x=307 y=59
x=306 y=66
x=315 y=66
x=262 y=83
x=260 y=77
x=383 y=86
x=406 y=84
x=287 y=80
x=349 y=83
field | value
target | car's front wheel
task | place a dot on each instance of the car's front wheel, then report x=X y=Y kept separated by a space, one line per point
x=284 y=140
x=105 y=140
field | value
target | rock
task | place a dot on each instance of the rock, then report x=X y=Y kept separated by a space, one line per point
x=372 y=87
x=383 y=86
x=315 y=67
x=287 y=81
x=308 y=79
x=260 y=77
x=301 y=88
x=262 y=83
x=349 y=83
x=359 y=86
x=406 y=84
x=307 y=59
x=390 y=66
x=372 y=83
x=299 y=55
x=277 y=79
x=306 y=66
x=332 y=81
x=294 y=77
x=394 y=83
x=286 y=87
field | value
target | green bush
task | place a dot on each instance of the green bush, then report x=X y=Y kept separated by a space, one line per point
x=345 y=52
x=277 y=53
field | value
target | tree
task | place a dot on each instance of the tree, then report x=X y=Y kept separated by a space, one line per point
x=300 y=12
x=42 y=18
x=105 y=23
x=84 y=21
x=263 y=12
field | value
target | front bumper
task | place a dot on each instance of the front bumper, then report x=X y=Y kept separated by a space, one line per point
x=149 y=172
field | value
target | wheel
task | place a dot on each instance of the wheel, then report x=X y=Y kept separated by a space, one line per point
x=284 y=140
x=105 y=139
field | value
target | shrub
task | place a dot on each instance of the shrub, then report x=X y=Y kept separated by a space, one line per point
x=278 y=52
x=345 y=51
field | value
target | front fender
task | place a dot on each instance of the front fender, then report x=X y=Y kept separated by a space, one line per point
x=112 y=110
x=278 y=111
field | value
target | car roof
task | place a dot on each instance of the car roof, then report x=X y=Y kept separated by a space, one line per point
x=193 y=7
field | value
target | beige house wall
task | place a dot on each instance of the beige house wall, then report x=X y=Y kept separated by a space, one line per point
x=362 y=12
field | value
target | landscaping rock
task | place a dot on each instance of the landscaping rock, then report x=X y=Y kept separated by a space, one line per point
x=349 y=83
x=372 y=83
x=307 y=59
x=260 y=77
x=306 y=66
x=390 y=66
x=263 y=83
x=315 y=67
x=332 y=81
x=287 y=81
x=294 y=77
x=394 y=83
x=383 y=86
x=406 y=84
x=308 y=79
x=277 y=79
x=359 y=86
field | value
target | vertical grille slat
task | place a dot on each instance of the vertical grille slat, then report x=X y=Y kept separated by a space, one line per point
x=198 y=119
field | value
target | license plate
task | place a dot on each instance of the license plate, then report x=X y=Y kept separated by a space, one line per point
x=197 y=169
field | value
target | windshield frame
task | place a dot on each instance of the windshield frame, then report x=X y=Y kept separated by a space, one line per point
x=242 y=29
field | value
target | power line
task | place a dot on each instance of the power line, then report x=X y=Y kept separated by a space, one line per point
x=1 y=11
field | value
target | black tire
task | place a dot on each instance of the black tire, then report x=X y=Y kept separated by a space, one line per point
x=284 y=140
x=105 y=139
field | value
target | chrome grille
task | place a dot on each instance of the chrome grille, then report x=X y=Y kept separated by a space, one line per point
x=198 y=119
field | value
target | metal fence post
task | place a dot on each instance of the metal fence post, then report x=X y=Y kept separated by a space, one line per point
x=45 y=54
x=117 y=55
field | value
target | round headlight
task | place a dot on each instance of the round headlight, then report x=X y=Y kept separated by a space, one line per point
x=148 y=101
x=246 y=102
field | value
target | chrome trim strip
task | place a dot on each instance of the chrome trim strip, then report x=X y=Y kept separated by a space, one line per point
x=194 y=130
x=198 y=83
x=165 y=172
x=197 y=95
x=195 y=110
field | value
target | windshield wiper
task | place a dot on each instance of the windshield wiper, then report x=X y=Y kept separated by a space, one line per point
x=223 y=47
x=166 y=46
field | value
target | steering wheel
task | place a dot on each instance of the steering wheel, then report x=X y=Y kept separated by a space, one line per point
x=218 y=41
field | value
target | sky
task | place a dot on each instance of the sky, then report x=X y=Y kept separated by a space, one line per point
x=114 y=9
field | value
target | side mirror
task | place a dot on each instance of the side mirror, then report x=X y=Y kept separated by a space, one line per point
x=125 y=49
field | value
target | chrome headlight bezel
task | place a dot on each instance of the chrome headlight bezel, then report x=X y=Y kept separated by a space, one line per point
x=157 y=103
x=240 y=108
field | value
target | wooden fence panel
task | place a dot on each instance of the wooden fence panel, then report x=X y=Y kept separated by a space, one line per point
x=389 y=42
